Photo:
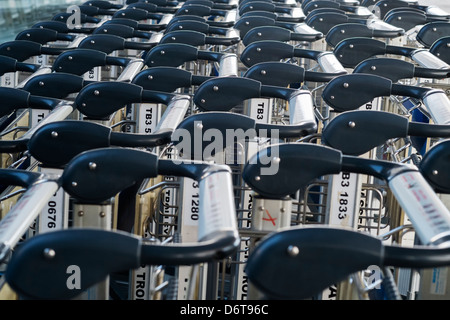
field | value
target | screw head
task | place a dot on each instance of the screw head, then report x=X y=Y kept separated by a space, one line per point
x=49 y=253
x=92 y=166
x=54 y=134
x=351 y=124
x=293 y=251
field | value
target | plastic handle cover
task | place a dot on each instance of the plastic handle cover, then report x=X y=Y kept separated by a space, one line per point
x=55 y=144
x=89 y=249
x=301 y=110
x=351 y=91
x=306 y=274
x=278 y=74
x=210 y=95
x=357 y=132
x=434 y=166
x=99 y=100
x=97 y=175
x=429 y=216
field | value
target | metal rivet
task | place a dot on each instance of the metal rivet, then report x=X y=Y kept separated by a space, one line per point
x=173 y=38
x=373 y=68
x=92 y=166
x=282 y=210
x=74 y=184
x=199 y=126
x=276 y=159
x=257 y=178
x=258 y=49
x=261 y=208
x=351 y=124
x=293 y=251
x=321 y=19
x=351 y=46
x=399 y=18
x=448 y=45
x=162 y=52
x=9 y=48
x=186 y=10
x=28 y=35
x=49 y=253
x=70 y=57
x=80 y=213
x=150 y=77
x=434 y=29
x=259 y=34
x=346 y=85
x=248 y=59
x=96 y=92
x=102 y=214
x=342 y=31
x=247 y=23
x=41 y=83
x=216 y=88
x=203 y=101
x=263 y=72
x=54 y=134
x=251 y=7
x=105 y=30
x=83 y=104
x=435 y=172
x=92 y=41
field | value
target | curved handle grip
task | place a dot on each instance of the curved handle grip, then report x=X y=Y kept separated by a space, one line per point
x=20 y=49
x=357 y=132
x=42 y=35
x=8 y=64
x=79 y=61
x=55 y=144
x=303 y=274
x=276 y=73
x=210 y=95
x=97 y=175
x=264 y=51
x=273 y=172
x=352 y=51
x=56 y=85
x=340 y=92
x=101 y=99
x=434 y=165
x=166 y=79
x=171 y=55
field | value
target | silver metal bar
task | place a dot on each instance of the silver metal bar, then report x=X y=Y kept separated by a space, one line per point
x=131 y=70
x=438 y=105
x=228 y=65
x=218 y=213
x=301 y=108
x=330 y=64
x=24 y=212
x=174 y=114
x=429 y=216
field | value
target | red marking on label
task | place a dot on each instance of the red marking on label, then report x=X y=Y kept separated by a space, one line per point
x=270 y=218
